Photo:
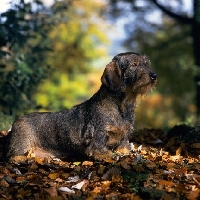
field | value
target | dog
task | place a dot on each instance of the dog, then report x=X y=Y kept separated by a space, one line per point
x=94 y=128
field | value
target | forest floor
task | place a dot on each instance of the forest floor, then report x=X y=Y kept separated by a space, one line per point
x=160 y=166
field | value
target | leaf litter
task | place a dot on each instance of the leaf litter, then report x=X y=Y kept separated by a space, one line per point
x=160 y=166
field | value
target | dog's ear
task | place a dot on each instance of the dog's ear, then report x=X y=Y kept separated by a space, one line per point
x=112 y=76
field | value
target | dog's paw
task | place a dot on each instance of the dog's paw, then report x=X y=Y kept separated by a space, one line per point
x=124 y=148
x=99 y=155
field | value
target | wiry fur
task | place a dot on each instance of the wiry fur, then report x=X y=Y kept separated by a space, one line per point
x=97 y=126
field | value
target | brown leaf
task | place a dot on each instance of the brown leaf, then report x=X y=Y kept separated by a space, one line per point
x=117 y=178
x=178 y=151
x=106 y=183
x=193 y=195
x=53 y=176
x=180 y=172
x=51 y=191
x=170 y=166
x=33 y=166
x=166 y=183
x=64 y=176
x=88 y=163
x=113 y=195
x=151 y=165
x=96 y=190
x=3 y=183
x=139 y=168
x=38 y=160
x=20 y=179
x=125 y=163
x=101 y=169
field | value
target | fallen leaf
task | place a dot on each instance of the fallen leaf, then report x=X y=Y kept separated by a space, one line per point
x=53 y=175
x=38 y=160
x=166 y=183
x=20 y=179
x=66 y=189
x=106 y=183
x=101 y=169
x=151 y=165
x=113 y=195
x=79 y=185
x=178 y=151
x=88 y=163
x=76 y=163
x=73 y=179
x=193 y=195
x=96 y=190
x=180 y=172
x=117 y=178
x=51 y=191
x=4 y=183
x=33 y=166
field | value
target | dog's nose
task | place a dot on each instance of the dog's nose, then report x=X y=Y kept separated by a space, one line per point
x=153 y=76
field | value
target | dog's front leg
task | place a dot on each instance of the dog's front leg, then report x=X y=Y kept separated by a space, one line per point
x=98 y=148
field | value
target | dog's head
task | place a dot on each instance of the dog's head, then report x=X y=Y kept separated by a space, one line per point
x=129 y=71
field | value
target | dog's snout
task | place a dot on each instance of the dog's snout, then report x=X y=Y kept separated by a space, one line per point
x=153 y=76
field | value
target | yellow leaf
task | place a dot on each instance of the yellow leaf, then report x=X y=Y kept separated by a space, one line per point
x=76 y=163
x=53 y=175
x=38 y=160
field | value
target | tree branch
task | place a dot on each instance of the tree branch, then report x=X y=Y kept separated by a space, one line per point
x=180 y=18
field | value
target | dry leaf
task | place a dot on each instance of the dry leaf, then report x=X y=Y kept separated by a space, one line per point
x=79 y=185
x=51 y=191
x=53 y=175
x=117 y=178
x=193 y=195
x=38 y=160
x=101 y=169
x=166 y=183
x=3 y=183
x=106 y=183
x=66 y=189
x=73 y=179
x=88 y=163
x=96 y=190
x=151 y=165
x=178 y=151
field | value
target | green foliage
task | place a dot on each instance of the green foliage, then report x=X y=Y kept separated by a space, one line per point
x=57 y=43
x=135 y=180
x=23 y=47
x=60 y=92
x=78 y=44
x=5 y=121
x=78 y=40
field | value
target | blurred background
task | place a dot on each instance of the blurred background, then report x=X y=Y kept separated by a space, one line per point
x=53 y=53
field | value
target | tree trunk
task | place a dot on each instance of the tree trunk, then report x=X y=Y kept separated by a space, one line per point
x=196 y=40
